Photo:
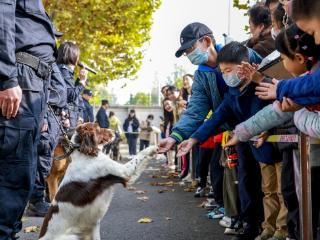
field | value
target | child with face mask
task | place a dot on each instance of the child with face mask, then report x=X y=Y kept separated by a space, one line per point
x=241 y=103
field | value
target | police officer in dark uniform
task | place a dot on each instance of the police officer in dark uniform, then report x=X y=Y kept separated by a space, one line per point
x=88 y=109
x=27 y=44
x=68 y=57
x=49 y=139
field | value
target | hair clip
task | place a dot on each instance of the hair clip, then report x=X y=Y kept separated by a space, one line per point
x=305 y=47
x=296 y=37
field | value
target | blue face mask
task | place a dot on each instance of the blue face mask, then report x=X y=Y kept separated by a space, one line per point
x=198 y=57
x=232 y=80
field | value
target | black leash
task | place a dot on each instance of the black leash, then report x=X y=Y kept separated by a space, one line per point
x=67 y=145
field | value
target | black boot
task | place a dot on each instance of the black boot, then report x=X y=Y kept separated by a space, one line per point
x=38 y=208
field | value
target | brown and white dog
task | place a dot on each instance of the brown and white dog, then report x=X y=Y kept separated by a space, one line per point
x=85 y=192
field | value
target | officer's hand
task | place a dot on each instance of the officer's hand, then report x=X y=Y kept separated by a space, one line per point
x=66 y=123
x=10 y=100
x=166 y=144
x=267 y=91
x=83 y=76
x=186 y=146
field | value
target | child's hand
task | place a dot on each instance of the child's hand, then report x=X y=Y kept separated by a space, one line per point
x=288 y=105
x=261 y=139
x=249 y=72
x=232 y=142
x=267 y=91
x=186 y=146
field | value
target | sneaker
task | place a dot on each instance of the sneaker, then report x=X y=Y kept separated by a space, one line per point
x=217 y=213
x=233 y=231
x=199 y=192
x=38 y=209
x=235 y=227
x=211 y=193
x=188 y=178
x=225 y=222
x=210 y=204
x=264 y=236
x=247 y=234
x=277 y=237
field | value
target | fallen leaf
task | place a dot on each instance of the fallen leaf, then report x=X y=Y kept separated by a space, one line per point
x=140 y=192
x=165 y=177
x=163 y=190
x=24 y=219
x=202 y=204
x=143 y=199
x=168 y=219
x=131 y=188
x=189 y=189
x=145 y=220
x=167 y=184
x=155 y=176
x=32 y=229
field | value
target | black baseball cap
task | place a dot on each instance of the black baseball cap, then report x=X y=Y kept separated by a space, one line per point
x=190 y=35
x=88 y=92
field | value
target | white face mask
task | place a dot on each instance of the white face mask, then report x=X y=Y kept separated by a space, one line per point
x=232 y=80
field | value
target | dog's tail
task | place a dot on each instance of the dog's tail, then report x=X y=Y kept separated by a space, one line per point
x=139 y=163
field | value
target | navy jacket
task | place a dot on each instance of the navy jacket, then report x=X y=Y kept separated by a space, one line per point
x=135 y=126
x=235 y=108
x=102 y=118
x=24 y=26
x=87 y=112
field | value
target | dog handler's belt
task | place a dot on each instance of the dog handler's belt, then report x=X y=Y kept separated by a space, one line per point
x=42 y=69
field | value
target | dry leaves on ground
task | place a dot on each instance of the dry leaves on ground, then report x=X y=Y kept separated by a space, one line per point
x=140 y=192
x=143 y=199
x=32 y=229
x=163 y=190
x=167 y=184
x=145 y=220
x=131 y=188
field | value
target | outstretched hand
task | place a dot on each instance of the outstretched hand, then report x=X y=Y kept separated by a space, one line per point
x=186 y=146
x=166 y=144
x=232 y=142
x=287 y=105
x=249 y=72
x=261 y=139
x=267 y=91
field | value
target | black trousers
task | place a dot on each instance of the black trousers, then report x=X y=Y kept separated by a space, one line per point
x=211 y=157
x=48 y=142
x=19 y=139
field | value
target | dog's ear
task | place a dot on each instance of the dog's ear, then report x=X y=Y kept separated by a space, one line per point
x=106 y=136
x=88 y=138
